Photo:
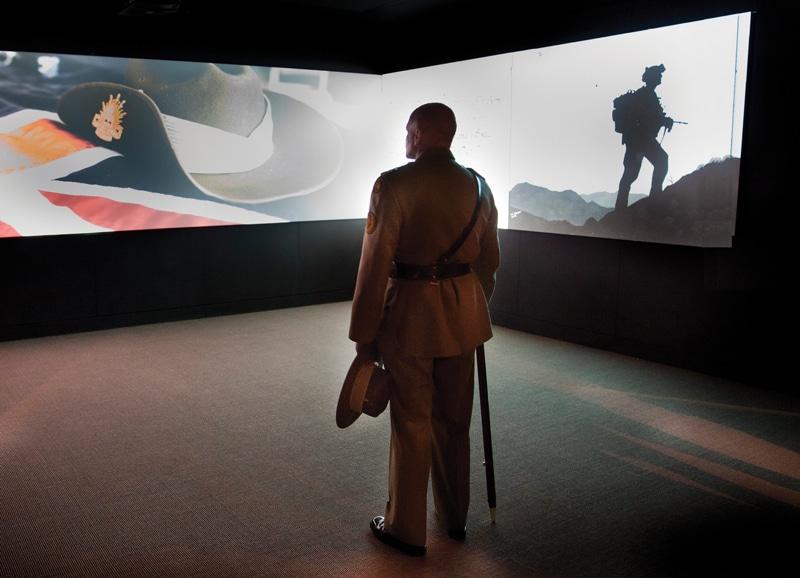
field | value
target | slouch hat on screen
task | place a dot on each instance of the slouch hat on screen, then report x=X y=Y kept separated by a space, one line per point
x=215 y=123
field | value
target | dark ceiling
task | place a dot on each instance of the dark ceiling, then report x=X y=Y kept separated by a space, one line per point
x=357 y=35
x=382 y=9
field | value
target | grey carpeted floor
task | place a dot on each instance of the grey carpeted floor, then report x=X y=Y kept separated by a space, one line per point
x=209 y=448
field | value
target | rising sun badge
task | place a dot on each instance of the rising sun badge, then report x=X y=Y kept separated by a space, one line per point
x=108 y=122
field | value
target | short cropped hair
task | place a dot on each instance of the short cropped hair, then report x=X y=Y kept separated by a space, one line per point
x=435 y=117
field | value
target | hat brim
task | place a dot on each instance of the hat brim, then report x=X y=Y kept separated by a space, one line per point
x=345 y=415
x=366 y=389
x=308 y=149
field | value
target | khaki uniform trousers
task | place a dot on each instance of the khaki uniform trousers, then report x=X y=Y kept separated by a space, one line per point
x=430 y=409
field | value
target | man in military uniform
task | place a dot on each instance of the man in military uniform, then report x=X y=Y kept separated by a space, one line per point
x=424 y=318
x=646 y=117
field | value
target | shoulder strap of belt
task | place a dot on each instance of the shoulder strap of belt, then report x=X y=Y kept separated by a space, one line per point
x=468 y=229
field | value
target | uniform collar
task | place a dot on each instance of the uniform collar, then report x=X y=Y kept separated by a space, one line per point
x=432 y=154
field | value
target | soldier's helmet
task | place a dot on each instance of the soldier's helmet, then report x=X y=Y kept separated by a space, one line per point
x=653 y=72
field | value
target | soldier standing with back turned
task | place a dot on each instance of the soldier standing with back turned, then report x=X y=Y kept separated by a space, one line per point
x=421 y=305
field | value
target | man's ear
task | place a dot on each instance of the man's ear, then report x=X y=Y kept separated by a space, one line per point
x=417 y=137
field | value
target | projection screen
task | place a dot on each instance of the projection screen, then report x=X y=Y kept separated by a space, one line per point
x=94 y=144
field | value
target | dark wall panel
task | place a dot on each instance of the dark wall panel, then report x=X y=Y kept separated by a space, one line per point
x=254 y=262
x=77 y=283
x=46 y=278
x=711 y=310
x=328 y=254
x=143 y=271
x=659 y=293
x=568 y=281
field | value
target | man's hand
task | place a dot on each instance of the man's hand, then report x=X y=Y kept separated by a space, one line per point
x=668 y=122
x=367 y=350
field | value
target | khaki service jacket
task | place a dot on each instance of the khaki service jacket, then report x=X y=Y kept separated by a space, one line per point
x=416 y=213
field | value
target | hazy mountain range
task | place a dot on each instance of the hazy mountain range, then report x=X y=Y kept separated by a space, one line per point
x=566 y=205
x=699 y=209
x=554 y=205
x=608 y=199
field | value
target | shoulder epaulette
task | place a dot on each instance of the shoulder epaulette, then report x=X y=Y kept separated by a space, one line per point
x=477 y=173
x=392 y=171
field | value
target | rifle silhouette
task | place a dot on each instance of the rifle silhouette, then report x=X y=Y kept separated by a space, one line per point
x=665 y=129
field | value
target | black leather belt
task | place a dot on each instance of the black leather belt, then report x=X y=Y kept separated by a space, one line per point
x=430 y=272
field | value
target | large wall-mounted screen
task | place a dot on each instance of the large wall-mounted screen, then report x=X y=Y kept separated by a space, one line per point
x=636 y=136
x=91 y=144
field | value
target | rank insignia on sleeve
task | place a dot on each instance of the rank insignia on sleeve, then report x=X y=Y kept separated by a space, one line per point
x=372 y=223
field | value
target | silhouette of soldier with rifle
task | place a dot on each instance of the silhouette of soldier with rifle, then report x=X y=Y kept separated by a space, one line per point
x=639 y=117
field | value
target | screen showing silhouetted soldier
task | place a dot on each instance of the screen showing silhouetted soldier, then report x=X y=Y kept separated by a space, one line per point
x=638 y=115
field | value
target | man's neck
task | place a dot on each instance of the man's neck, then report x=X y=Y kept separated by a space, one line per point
x=435 y=152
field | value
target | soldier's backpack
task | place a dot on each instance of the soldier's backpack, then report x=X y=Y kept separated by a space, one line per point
x=623 y=113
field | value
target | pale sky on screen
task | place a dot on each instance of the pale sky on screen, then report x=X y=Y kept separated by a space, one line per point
x=543 y=116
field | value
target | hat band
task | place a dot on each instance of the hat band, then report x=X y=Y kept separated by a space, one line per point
x=209 y=150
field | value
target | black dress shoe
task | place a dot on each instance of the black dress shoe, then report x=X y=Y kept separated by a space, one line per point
x=376 y=525
x=459 y=534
